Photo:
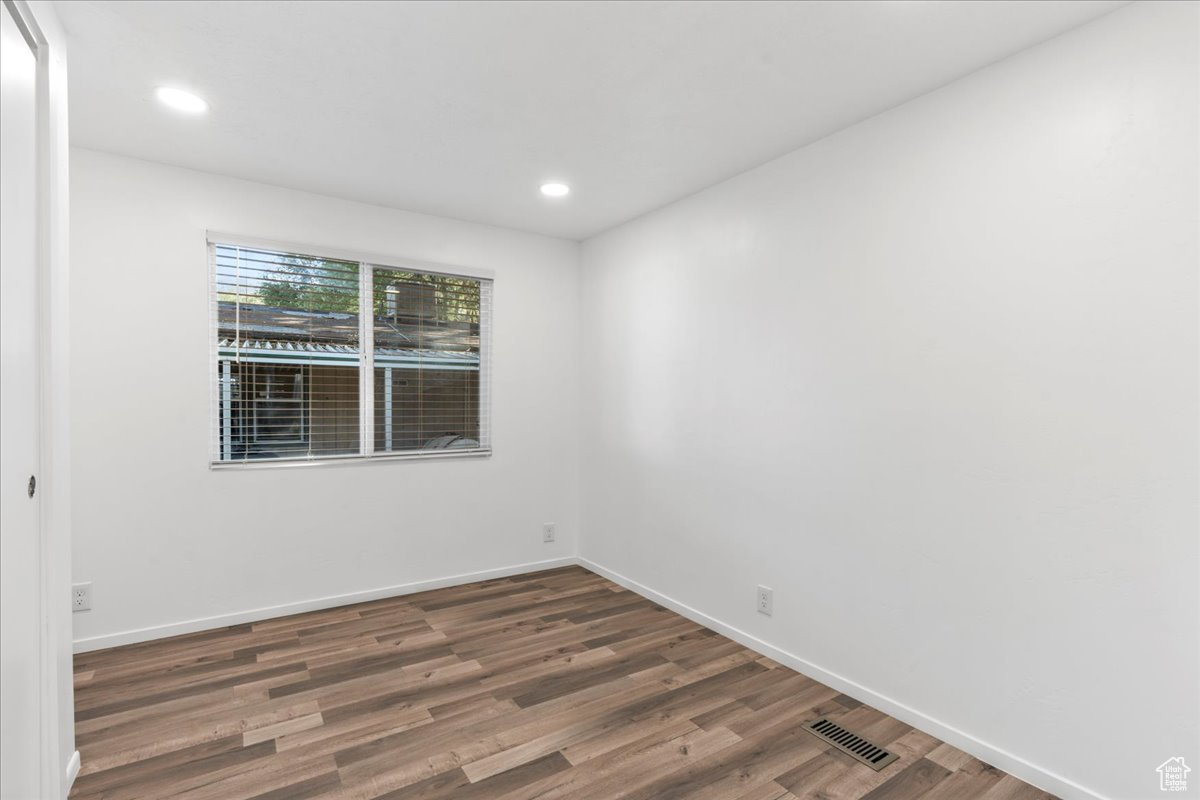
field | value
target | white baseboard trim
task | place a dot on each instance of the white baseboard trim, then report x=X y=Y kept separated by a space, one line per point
x=258 y=614
x=72 y=771
x=1014 y=765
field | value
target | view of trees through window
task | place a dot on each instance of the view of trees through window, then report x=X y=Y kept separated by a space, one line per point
x=318 y=284
x=288 y=336
x=311 y=284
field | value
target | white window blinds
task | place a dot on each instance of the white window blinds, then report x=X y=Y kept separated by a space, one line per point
x=325 y=358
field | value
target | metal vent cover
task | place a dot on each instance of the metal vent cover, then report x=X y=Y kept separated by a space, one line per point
x=852 y=745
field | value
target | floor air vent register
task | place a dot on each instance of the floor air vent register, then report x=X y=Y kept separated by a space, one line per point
x=854 y=746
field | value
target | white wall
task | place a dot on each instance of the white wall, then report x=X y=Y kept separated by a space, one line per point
x=934 y=380
x=166 y=541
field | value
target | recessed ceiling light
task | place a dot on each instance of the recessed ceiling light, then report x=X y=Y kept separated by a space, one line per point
x=180 y=100
x=555 y=189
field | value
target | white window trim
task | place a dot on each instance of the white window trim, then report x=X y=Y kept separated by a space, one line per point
x=367 y=262
x=342 y=254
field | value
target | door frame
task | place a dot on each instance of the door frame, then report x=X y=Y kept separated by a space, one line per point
x=59 y=760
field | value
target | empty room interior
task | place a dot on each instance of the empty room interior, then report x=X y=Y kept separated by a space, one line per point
x=590 y=400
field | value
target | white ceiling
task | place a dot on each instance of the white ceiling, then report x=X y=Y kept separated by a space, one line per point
x=463 y=108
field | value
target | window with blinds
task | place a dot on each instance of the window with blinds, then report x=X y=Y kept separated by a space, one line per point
x=320 y=358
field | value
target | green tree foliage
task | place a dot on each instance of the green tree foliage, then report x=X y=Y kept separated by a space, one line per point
x=312 y=284
x=441 y=297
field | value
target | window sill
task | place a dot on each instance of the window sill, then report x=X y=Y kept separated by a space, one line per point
x=332 y=461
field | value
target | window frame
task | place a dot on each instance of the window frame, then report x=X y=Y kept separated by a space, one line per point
x=367 y=264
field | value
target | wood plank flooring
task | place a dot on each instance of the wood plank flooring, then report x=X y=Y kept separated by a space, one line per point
x=556 y=684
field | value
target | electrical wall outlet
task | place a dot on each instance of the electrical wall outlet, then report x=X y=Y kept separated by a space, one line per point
x=766 y=600
x=548 y=532
x=81 y=596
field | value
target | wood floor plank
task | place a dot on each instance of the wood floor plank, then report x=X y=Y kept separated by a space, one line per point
x=547 y=686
